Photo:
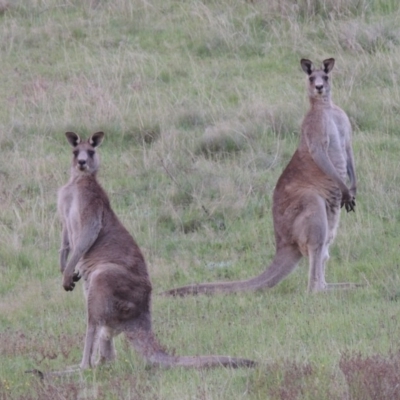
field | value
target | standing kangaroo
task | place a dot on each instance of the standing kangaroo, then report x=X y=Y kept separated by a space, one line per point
x=116 y=282
x=308 y=195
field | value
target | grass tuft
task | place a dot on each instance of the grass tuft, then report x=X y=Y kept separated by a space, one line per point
x=220 y=141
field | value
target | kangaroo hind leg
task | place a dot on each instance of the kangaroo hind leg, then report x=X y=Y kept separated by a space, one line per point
x=318 y=256
x=90 y=346
x=97 y=334
x=320 y=233
x=106 y=346
x=311 y=231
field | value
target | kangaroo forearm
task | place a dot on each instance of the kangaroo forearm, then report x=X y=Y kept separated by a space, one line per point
x=352 y=177
x=85 y=241
x=64 y=251
x=351 y=171
x=353 y=185
x=326 y=166
x=70 y=267
x=63 y=258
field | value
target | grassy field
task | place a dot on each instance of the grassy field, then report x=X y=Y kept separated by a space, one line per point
x=201 y=103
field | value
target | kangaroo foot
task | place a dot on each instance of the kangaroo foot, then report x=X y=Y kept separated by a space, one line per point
x=344 y=285
x=336 y=286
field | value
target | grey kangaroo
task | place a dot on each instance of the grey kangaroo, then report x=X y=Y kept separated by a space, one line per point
x=98 y=248
x=308 y=195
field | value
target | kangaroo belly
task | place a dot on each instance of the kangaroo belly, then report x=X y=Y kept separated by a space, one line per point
x=302 y=175
x=299 y=182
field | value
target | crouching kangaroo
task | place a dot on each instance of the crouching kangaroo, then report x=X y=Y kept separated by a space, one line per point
x=308 y=195
x=98 y=248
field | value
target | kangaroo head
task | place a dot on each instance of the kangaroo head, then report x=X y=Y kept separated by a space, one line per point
x=318 y=79
x=85 y=159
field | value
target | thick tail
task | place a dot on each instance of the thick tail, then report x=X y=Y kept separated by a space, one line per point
x=283 y=264
x=149 y=348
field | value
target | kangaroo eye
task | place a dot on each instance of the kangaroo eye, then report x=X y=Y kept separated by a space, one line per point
x=311 y=79
x=326 y=77
x=91 y=153
x=75 y=153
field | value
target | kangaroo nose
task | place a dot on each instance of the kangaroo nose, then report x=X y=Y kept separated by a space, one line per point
x=319 y=87
x=82 y=162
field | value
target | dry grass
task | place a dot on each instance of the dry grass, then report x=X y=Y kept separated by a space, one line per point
x=374 y=377
x=201 y=102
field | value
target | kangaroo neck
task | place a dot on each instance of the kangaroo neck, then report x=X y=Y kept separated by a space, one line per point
x=78 y=176
x=320 y=102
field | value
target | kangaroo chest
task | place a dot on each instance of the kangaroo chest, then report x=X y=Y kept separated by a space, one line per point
x=73 y=217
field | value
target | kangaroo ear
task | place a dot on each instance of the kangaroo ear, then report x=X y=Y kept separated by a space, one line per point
x=96 y=139
x=307 y=66
x=73 y=138
x=328 y=65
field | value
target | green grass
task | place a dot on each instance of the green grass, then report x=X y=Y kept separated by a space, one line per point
x=201 y=102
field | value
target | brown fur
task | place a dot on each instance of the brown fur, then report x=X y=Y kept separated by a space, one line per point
x=98 y=248
x=308 y=195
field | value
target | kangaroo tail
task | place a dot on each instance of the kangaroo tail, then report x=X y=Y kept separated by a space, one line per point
x=283 y=264
x=149 y=348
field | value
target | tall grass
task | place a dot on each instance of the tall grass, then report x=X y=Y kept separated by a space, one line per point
x=201 y=102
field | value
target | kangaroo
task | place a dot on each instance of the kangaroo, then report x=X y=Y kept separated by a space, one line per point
x=308 y=195
x=97 y=247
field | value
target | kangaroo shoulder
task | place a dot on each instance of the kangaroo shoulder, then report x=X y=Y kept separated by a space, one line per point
x=64 y=191
x=341 y=120
x=64 y=197
x=339 y=114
